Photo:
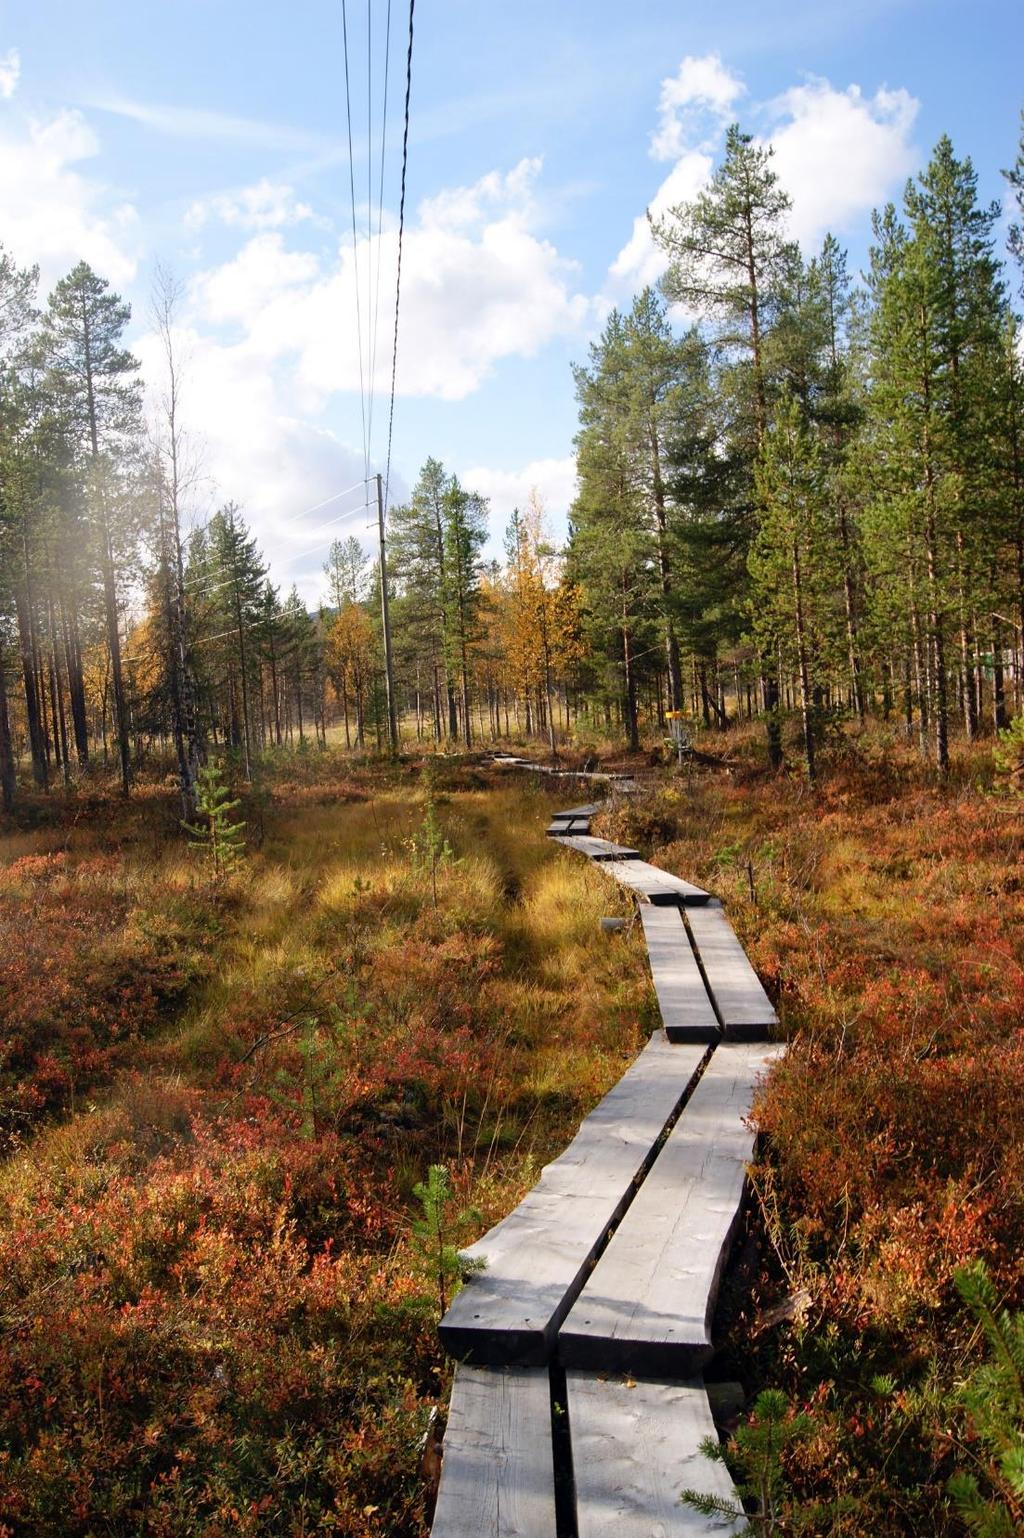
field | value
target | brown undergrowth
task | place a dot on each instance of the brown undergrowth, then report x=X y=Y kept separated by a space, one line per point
x=884 y=912
x=219 y=1101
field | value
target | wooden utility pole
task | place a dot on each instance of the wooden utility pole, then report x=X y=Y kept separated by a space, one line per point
x=389 y=672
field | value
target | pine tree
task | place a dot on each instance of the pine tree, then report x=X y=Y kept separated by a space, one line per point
x=418 y=565
x=1015 y=178
x=230 y=604
x=729 y=256
x=628 y=392
x=993 y=1396
x=612 y=556
x=219 y=839
x=435 y=1233
x=96 y=381
x=730 y=262
x=464 y=523
x=791 y=563
x=756 y=1455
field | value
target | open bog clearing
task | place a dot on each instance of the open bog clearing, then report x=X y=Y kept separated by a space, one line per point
x=221 y=1294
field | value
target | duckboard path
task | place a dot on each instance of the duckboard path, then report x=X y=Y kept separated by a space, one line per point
x=578 y=1406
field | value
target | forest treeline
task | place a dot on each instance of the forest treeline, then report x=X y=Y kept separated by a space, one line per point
x=797 y=495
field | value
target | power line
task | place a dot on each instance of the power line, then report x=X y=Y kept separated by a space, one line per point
x=401 y=231
x=369 y=235
x=295 y=517
x=299 y=555
x=355 y=242
x=380 y=224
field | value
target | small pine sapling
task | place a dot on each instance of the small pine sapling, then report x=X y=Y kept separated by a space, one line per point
x=755 y=1458
x=993 y=1396
x=432 y=848
x=1009 y=758
x=213 y=833
x=435 y=1234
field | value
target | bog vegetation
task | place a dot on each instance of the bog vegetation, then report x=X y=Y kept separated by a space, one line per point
x=284 y=1023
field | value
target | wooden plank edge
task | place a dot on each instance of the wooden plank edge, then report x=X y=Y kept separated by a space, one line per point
x=691 y=1035
x=491 y=1485
x=637 y=1445
x=487 y=1347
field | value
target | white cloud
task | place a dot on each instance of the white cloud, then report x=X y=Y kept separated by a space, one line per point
x=478 y=285
x=641 y=261
x=554 y=479
x=266 y=205
x=695 y=105
x=10 y=73
x=840 y=153
x=255 y=451
x=510 y=193
x=701 y=89
x=262 y=275
x=271 y=337
x=56 y=215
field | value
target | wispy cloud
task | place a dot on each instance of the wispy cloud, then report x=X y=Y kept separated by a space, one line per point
x=10 y=73
x=202 y=123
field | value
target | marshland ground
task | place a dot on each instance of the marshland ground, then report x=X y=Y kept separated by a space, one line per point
x=219 y=1096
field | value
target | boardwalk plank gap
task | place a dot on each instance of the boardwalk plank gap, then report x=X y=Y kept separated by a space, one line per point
x=687 y=1012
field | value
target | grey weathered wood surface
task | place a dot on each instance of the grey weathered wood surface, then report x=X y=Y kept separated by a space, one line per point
x=573 y=829
x=634 y=1448
x=647 y=1305
x=497 y=1473
x=686 y=1010
x=658 y=886
x=537 y=1257
x=744 y=1008
x=625 y=783
x=597 y=848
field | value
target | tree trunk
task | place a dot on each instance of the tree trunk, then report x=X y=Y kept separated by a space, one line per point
x=801 y=652
x=27 y=649
x=8 y=773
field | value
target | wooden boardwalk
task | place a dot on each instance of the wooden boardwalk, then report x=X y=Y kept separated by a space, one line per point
x=537 y=1258
x=498 y=1473
x=635 y=1445
x=687 y=1012
x=648 y=1304
x=578 y=1406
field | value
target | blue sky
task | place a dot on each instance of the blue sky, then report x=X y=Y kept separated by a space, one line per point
x=210 y=135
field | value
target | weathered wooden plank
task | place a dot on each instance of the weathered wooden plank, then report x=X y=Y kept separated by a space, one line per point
x=575 y=828
x=597 y=848
x=497 y=1471
x=647 y=1306
x=658 y=886
x=686 y=1011
x=744 y=1008
x=635 y=1446
x=537 y=1258
x=580 y=811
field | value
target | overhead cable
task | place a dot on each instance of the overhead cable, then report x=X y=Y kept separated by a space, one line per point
x=401 y=231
